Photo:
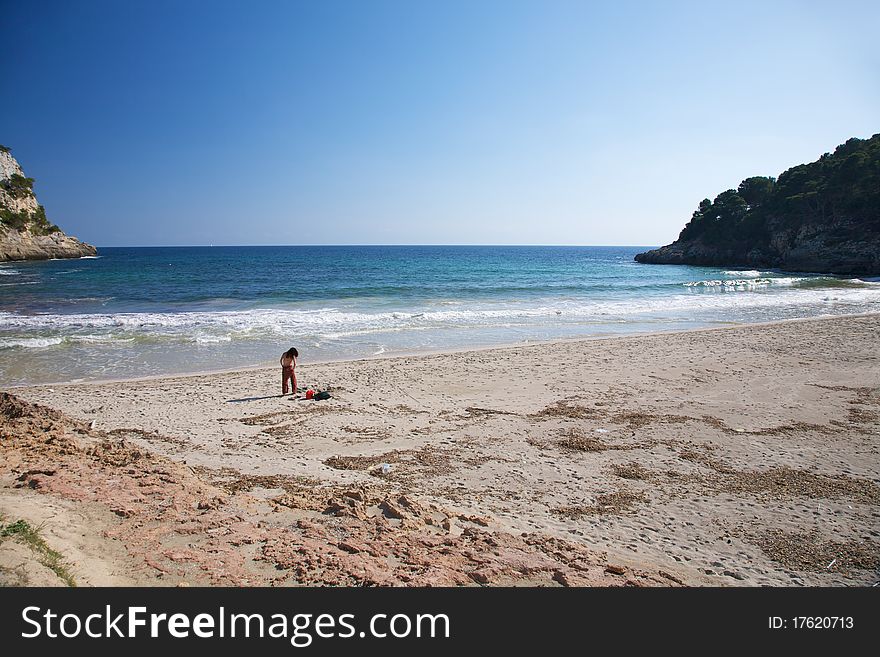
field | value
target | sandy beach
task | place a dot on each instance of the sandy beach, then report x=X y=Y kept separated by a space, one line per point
x=725 y=457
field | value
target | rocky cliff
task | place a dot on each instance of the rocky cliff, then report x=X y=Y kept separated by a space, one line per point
x=818 y=217
x=25 y=232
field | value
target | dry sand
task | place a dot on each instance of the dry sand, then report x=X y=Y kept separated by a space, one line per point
x=735 y=456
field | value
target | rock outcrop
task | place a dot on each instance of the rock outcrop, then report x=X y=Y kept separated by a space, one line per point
x=818 y=217
x=22 y=245
x=810 y=249
x=25 y=232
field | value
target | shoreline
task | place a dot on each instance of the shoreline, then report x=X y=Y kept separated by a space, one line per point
x=699 y=457
x=439 y=352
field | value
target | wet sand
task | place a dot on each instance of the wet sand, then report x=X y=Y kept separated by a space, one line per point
x=735 y=456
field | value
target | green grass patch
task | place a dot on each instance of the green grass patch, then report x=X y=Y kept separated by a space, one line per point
x=30 y=536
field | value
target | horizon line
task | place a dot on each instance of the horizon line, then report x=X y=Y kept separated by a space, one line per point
x=208 y=246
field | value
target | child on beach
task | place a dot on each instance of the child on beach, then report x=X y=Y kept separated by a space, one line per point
x=288 y=370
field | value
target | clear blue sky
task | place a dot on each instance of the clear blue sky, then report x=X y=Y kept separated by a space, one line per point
x=548 y=122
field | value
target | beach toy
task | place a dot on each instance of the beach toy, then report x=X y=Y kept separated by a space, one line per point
x=310 y=393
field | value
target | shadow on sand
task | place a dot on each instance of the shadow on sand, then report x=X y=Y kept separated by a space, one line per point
x=248 y=399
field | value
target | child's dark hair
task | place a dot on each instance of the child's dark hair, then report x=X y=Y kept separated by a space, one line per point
x=292 y=352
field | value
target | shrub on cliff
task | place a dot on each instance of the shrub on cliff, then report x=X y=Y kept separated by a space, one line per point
x=36 y=221
x=17 y=186
x=14 y=220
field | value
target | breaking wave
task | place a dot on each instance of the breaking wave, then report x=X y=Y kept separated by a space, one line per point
x=329 y=323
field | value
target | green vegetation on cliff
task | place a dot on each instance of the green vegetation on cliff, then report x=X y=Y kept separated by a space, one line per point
x=36 y=221
x=25 y=231
x=806 y=218
x=18 y=187
x=846 y=182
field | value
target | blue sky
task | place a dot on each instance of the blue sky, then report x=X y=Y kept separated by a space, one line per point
x=551 y=122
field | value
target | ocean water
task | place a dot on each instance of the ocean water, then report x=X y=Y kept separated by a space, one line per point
x=132 y=312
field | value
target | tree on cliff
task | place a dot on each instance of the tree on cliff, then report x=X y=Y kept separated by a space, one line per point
x=836 y=198
x=847 y=181
x=756 y=190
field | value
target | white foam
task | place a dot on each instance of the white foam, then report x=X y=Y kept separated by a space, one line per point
x=747 y=273
x=787 y=280
x=757 y=302
x=29 y=343
x=212 y=339
x=99 y=339
x=732 y=283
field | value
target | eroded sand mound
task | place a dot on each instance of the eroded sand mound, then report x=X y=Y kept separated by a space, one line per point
x=116 y=514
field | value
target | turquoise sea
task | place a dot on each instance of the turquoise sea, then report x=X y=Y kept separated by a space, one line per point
x=132 y=312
